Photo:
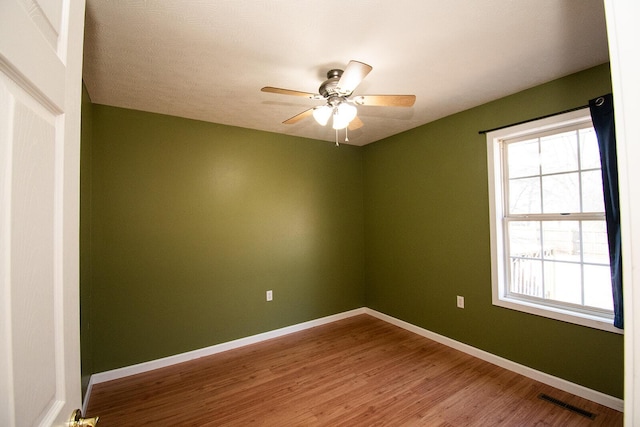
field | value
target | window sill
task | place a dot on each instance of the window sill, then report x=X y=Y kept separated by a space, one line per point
x=587 y=320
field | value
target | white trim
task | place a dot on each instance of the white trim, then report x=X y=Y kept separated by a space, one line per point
x=214 y=349
x=556 y=382
x=623 y=32
x=559 y=383
x=557 y=313
x=575 y=117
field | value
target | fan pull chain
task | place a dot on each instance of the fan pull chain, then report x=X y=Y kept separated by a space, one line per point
x=346 y=136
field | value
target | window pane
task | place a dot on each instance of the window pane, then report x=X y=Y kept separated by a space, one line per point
x=589 y=154
x=563 y=282
x=524 y=239
x=592 y=193
x=523 y=158
x=524 y=195
x=558 y=153
x=553 y=259
x=597 y=287
x=560 y=193
x=595 y=245
x=561 y=240
x=526 y=277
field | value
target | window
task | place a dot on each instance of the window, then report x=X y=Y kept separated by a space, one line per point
x=549 y=247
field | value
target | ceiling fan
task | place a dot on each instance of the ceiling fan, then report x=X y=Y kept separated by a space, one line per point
x=340 y=105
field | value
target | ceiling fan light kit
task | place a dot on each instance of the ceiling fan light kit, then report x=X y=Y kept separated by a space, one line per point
x=343 y=114
x=336 y=90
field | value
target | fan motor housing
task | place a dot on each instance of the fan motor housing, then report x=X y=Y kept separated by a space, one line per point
x=328 y=87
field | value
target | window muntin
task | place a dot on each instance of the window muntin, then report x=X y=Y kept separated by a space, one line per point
x=549 y=241
x=560 y=262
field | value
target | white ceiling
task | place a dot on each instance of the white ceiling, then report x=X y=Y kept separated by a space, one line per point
x=208 y=59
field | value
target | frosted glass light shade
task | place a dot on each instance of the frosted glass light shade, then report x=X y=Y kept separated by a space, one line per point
x=322 y=114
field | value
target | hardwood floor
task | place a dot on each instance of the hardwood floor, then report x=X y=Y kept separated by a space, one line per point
x=360 y=371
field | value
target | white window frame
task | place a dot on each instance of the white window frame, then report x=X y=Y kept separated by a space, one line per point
x=499 y=268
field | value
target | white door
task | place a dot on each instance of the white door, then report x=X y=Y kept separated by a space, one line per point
x=40 y=93
x=623 y=33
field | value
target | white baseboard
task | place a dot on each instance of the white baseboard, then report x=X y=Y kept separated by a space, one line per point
x=208 y=351
x=559 y=383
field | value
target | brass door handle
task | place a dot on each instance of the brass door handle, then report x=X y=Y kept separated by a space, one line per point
x=76 y=420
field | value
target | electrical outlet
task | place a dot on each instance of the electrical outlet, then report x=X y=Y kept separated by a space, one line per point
x=460 y=301
x=269 y=295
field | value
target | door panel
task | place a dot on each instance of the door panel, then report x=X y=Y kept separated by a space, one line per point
x=46 y=14
x=32 y=263
x=28 y=58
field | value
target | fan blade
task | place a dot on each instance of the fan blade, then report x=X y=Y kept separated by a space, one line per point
x=356 y=123
x=352 y=76
x=299 y=117
x=287 y=92
x=386 y=100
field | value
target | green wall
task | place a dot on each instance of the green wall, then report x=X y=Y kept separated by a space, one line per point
x=186 y=224
x=427 y=239
x=192 y=222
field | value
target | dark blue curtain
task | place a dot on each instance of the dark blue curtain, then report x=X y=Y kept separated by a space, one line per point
x=602 y=116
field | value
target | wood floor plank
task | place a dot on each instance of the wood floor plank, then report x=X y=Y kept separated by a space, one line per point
x=359 y=371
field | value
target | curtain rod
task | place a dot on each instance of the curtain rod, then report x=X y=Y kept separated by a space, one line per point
x=534 y=119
